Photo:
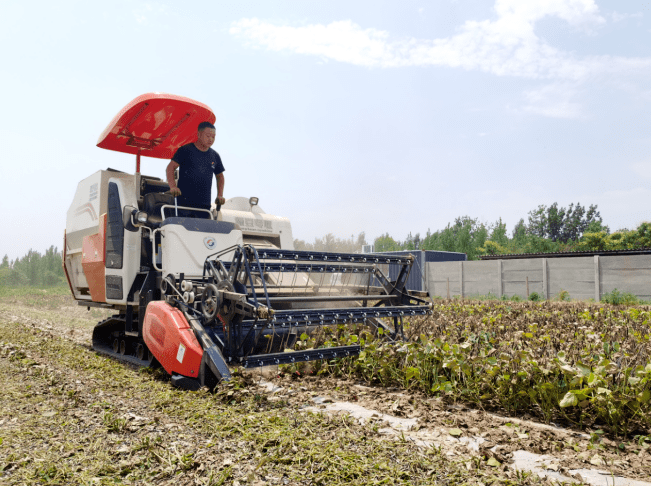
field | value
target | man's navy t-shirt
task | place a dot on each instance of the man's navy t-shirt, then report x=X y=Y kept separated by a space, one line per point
x=196 y=169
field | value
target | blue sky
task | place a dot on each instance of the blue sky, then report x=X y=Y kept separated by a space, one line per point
x=375 y=116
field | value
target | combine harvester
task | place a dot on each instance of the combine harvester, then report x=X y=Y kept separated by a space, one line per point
x=203 y=290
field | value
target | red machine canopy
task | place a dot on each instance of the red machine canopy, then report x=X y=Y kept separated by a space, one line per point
x=155 y=125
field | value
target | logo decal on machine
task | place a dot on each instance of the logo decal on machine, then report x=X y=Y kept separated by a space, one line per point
x=180 y=354
x=93 y=192
x=210 y=242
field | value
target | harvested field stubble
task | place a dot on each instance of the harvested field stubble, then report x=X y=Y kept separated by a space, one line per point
x=579 y=364
x=70 y=416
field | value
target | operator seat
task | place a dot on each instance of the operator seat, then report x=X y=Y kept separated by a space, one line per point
x=153 y=203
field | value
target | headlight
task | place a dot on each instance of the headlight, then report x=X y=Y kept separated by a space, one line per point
x=141 y=217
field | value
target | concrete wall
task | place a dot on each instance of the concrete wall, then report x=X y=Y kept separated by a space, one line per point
x=516 y=274
x=444 y=277
x=575 y=275
x=626 y=273
x=582 y=277
x=481 y=279
x=417 y=279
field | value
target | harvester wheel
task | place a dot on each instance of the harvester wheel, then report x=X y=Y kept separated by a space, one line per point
x=153 y=362
x=116 y=345
x=140 y=351
x=210 y=302
x=123 y=347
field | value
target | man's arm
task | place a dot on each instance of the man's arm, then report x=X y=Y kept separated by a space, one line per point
x=220 y=189
x=169 y=172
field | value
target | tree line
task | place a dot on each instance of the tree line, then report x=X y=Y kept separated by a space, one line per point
x=547 y=229
x=33 y=269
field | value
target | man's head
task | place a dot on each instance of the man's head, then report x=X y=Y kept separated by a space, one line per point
x=206 y=134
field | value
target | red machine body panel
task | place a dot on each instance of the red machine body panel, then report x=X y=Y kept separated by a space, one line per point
x=93 y=261
x=171 y=340
x=155 y=125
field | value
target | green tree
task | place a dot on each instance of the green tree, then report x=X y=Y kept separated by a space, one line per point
x=597 y=241
x=538 y=221
x=386 y=243
x=30 y=267
x=330 y=242
x=643 y=237
x=555 y=222
x=597 y=227
x=492 y=248
x=361 y=240
x=619 y=240
x=519 y=230
x=466 y=235
x=562 y=224
x=412 y=242
x=33 y=269
x=498 y=233
x=51 y=264
x=577 y=220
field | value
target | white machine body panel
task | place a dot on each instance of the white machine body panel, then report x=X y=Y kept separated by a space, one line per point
x=90 y=202
x=184 y=250
x=258 y=228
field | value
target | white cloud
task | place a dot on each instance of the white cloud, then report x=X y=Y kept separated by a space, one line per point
x=144 y=12
x=618 y=17
x=553 y=100
x=578 y=13
x=341 y=41
x=505 y=46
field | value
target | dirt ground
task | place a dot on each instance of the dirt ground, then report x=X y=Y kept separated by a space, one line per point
x=460 y=434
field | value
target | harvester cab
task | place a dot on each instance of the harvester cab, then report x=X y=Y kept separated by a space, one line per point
x=198 y=290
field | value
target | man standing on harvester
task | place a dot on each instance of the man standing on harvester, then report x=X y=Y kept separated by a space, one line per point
x=197 y=162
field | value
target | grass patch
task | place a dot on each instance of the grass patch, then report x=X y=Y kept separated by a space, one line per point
x=23 y=291
x=623 y=298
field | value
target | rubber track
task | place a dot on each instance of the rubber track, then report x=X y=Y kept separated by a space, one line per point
x=106 y=349
x=121 y=357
